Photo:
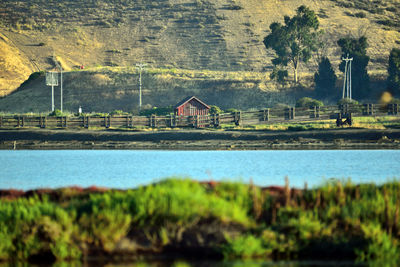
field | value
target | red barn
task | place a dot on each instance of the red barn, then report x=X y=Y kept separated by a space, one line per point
x=191 y=106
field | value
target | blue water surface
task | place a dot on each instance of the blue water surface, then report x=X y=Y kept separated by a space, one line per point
x=30 y=169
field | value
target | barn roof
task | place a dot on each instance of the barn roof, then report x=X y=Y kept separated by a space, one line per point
x=187 y=99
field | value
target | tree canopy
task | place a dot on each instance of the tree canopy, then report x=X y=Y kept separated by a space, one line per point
x=325 y=79
x=356 y=49
x=394 y=71
x=295 y=40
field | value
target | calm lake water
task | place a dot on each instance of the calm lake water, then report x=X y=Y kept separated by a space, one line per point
x=29 y=169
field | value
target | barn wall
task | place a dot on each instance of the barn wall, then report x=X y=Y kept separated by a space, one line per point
x=192 y=108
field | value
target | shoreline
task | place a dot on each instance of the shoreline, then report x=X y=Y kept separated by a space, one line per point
x=331 y=139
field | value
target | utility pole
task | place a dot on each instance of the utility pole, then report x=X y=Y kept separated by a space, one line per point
x=347 y=77
x=52 y=80
x=140 y=67
x=61 y=82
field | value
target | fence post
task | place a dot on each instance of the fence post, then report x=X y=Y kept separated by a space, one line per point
x=45 y=122
x=153 y=122
x=1 y=121
x=315 y=112
x=395 y=109
x=265 y=115
x=369 y=109
x=344 y=108
x=131 y=121
x=65 y=122
x=238 y=118
x=86 y=122
x=173 y=120
x=290 y=113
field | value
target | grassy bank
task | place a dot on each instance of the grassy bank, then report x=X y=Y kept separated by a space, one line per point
x=225 y=220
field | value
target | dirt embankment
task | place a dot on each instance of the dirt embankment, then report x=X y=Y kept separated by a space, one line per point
x=348 y=138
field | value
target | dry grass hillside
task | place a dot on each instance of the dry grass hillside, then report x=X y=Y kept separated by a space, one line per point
x=196 y=35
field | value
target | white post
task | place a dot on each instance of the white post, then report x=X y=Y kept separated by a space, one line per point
x=61 y=101
x=140 y=89
x=350 y=75
x=344 y=79
x=140 y=67
x=61 y=84
x=348 y=80
x=52 y=80
x=52 y=98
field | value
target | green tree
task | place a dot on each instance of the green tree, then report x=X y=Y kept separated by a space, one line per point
x=294 y=41
x=394 y=71
x=279 y=75
x=356 y=49
x=325 y=78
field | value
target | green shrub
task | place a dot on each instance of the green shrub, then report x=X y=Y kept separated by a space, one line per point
x=56 y=113
x=355 y=221
x=104 y=228
x=344 y=101
x=381 y=246
x=308 y=102
x=236 y=193
x=231 y=110
x=157 y=111
x=181 y=202
x=395 y=101
x=215 y=110
x=360 y=14
x=246 y=246
x=33 y=227
x=118 y=112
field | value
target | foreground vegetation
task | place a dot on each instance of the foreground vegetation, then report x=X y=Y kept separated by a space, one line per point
x=338 y=220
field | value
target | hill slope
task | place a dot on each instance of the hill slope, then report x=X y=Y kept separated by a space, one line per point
x=186 y=34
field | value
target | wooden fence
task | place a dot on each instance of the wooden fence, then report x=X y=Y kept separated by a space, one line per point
x=264 y=116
